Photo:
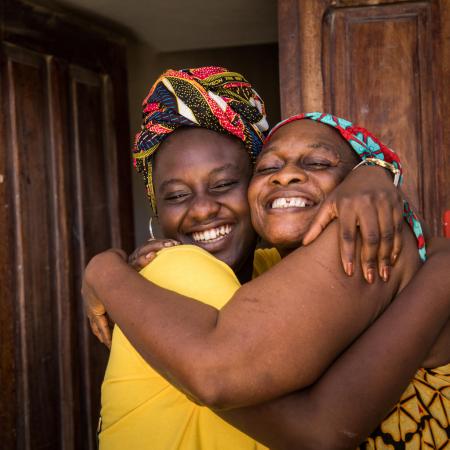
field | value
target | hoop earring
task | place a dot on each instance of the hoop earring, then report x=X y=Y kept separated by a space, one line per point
x=150 y=229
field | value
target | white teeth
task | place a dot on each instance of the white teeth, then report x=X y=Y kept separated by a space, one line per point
x=292 y=202
x=212 y=234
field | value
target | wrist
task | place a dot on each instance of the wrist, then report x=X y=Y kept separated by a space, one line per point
x=371 y=165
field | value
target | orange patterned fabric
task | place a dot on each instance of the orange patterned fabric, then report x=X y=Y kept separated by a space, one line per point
x=421 y=418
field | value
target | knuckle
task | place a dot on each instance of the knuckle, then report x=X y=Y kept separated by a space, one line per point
x=348 y=236
x=367 y=199
x=372 y=238
x=383 y=196
x=387 y=236
x=345 y=202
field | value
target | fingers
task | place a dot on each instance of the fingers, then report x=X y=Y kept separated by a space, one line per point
x=325 y=215
x=370 y=235
x=144 y=254
x=94 y=329
x=347 y=239
x=105 y=331
x=100 y=328
x=142 y=261
x=386 y=224
x=398 y=236
x=390 y=217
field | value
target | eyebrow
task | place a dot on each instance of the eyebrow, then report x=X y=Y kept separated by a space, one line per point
x=325 y=146
x=224 y=167
x=314 y=145
x=166 y=183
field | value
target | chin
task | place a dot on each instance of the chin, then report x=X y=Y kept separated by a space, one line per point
x=288 y=239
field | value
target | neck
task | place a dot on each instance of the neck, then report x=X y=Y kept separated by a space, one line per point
x=284 y=251
x=245 y=271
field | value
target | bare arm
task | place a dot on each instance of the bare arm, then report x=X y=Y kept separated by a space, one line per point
x=277 y=334
x=356 y=392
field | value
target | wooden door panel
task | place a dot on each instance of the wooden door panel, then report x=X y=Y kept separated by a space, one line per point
x=377 y=72
x=91 y=231
x=35 y=299
x=63 y=120
x=384 y=65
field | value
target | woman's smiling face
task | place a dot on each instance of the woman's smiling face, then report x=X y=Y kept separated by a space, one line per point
x=301 y=164
x=201 y=179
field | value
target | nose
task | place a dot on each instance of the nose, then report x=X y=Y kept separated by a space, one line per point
x=204 y=208
x=289 y=174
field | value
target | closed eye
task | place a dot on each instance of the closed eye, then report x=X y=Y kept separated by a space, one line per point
x=266 y=170
x=317 y=165
x=176 y=196
x=224 y=185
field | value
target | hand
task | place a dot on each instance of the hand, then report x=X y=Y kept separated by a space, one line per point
x=366 y=198
x=146 y=253
x=94 y=308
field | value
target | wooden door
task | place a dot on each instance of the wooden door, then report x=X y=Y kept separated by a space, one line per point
x=65 y=195
x=384 y=65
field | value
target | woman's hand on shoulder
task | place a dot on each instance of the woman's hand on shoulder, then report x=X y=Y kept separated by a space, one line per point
x=146 y=253
x=367 y=199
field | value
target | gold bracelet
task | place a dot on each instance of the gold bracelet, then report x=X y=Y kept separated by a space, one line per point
x=381 y=163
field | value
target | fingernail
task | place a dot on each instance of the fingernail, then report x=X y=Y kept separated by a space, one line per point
x=385 y=272
x=394 y=258
x=349 y=269
x=149 y=255
x=370 y=275
x=168 y=244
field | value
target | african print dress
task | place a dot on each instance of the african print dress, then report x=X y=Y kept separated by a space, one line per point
x=421 y=418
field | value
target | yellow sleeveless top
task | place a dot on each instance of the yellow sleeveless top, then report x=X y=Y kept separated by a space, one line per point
x=140 y=409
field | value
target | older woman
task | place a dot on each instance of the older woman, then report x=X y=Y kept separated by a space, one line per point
x=209 y=353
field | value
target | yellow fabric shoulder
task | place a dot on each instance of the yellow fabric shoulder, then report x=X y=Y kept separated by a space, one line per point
x=265 y=258
x=140 y=409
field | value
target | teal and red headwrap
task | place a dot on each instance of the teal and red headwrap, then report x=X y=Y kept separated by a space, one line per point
x=366 y=145
x=208 y=97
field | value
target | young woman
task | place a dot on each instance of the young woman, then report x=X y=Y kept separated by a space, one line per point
x=225 y=361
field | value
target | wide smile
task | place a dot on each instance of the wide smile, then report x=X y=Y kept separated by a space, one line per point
x=293 y=201
x=213 y=238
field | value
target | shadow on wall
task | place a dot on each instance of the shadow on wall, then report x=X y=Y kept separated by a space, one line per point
x=258 y=63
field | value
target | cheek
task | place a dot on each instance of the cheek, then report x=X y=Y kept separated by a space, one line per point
x=254 y=190
x=257 y=210
x=328 y=181
x=238 y=202
x=253 y=187
x=169 y=221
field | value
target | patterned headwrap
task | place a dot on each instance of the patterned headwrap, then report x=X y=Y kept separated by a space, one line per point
x=366 y=145
x=208 y=97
